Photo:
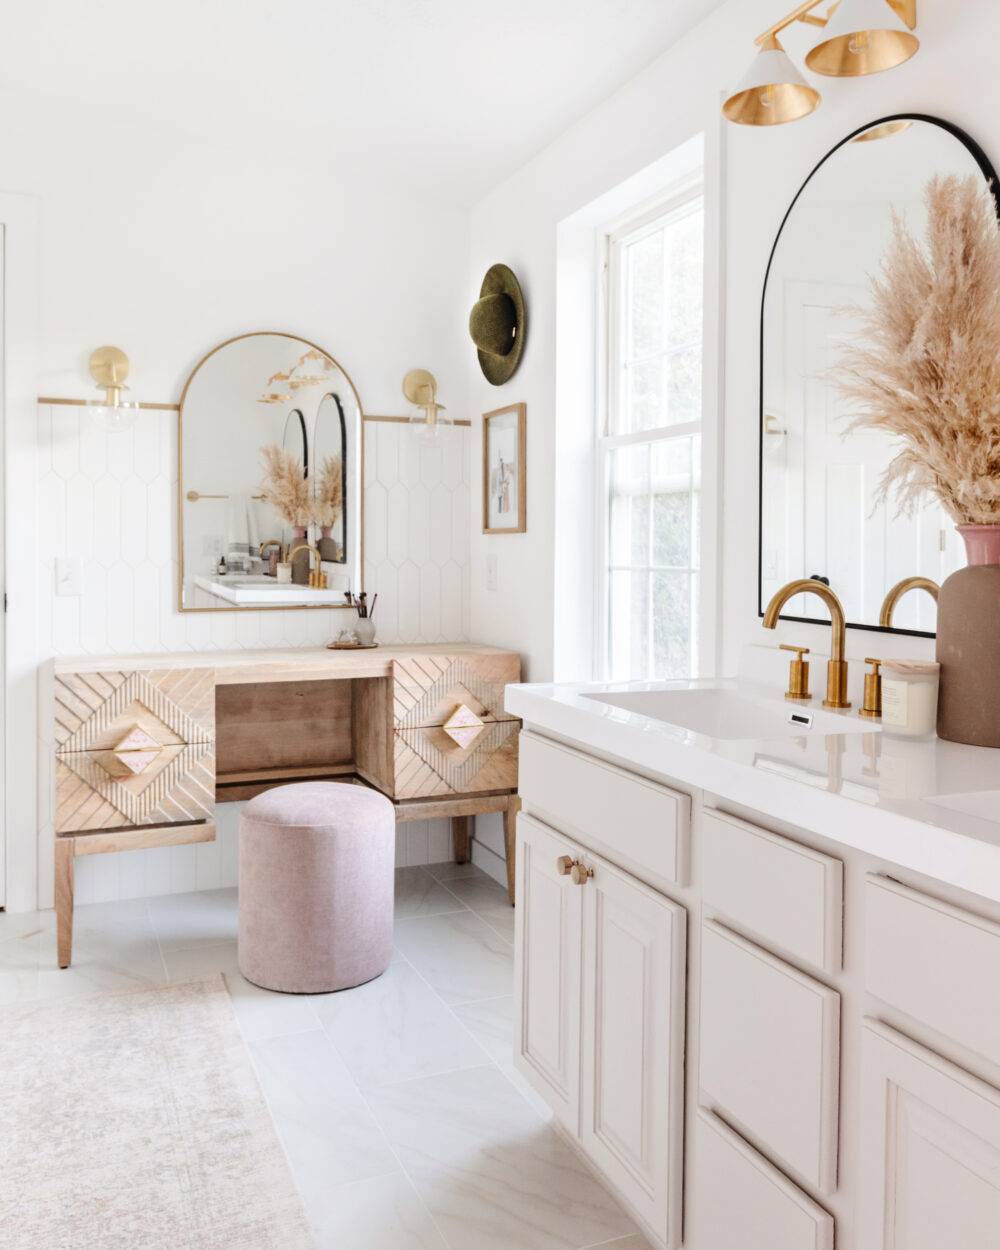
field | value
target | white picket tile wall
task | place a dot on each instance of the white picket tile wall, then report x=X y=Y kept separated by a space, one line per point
x=111 y=500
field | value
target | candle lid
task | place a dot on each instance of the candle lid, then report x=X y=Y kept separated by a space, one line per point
x=912 y=668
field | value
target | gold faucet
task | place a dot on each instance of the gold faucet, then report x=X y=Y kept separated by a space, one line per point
x=899 y=590
x=317 y=578
x=836 y=669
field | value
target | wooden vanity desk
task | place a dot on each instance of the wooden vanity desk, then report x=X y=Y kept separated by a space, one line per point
x=145 y=747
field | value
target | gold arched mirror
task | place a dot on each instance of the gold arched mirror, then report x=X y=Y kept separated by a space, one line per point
x=270 y=482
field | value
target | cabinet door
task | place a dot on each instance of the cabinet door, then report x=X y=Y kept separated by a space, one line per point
x=547 y=978
x=930 y=1150
x=633 y=1042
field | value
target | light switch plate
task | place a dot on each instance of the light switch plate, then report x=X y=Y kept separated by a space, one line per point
x=492 y=572
x=69 y=575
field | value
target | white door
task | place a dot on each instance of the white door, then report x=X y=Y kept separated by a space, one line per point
x=930 y=1150
x=547 y=954
x=632 y=1107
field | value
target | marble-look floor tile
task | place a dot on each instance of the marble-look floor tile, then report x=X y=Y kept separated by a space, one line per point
x=492 y=1173
x=329 y=1134
x=384 y=1213
x=635 y=1242
x=461 y=957
x=491 y=1023
x=418 y=894
x=396 y=1028
x=263 y=1014
x=489 y=900
x=201 y=919
x=456 y=872
x=187 y=963
x=23 y=925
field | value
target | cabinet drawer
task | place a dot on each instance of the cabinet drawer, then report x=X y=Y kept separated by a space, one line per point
x=936 y=962
x=638 y=823
x=783 y=894
x=741 y=1200
x=103 y=790
x=96 y=711
x=770 y=1053
x=430 y=689
x=428 y=762
x=930 y=1150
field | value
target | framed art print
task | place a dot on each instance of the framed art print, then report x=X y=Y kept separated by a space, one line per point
x=504 y=471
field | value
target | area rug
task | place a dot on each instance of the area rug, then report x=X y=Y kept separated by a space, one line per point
x=134 y=1121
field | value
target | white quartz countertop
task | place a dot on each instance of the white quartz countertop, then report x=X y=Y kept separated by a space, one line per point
x=930 y=806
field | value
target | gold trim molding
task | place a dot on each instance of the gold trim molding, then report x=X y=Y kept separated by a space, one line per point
x=87 y=403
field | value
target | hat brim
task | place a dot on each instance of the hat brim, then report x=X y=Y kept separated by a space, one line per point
x=501 y=280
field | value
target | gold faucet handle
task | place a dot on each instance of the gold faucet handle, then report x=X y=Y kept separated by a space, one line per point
x=798 y=673
x=872 y=705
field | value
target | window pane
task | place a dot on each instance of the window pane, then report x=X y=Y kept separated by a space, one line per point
x=654 y=492
x=644 y=305
x=630 y=507
x=658 y=279
x=684 y=246
x=628 y=625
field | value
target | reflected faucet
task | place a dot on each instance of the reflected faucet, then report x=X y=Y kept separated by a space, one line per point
x=899 y=590
x=836 y=669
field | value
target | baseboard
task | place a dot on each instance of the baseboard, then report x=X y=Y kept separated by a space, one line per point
x=490 y=862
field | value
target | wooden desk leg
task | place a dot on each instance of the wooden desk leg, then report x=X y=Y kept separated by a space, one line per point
x=510 y=842
x=460 y=835
x=64 y=900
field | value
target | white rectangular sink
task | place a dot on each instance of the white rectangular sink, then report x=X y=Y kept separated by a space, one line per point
x=722 y=713
x=248 y=589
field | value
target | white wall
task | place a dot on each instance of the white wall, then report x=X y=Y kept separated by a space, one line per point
x=677 y=97
x=165 y=247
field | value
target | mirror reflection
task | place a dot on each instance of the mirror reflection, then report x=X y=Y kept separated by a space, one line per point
x=270 y=478
x=820 y=515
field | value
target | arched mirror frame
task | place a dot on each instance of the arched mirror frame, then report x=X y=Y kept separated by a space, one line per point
x=990 y=175
x=277 y=607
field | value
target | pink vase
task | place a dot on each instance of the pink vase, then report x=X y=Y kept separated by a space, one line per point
x=982 y=543
x=968 y=644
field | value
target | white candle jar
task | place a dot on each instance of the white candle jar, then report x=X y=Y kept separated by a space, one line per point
x=909 y=698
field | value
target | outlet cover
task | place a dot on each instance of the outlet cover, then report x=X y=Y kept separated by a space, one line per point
x=492 y=572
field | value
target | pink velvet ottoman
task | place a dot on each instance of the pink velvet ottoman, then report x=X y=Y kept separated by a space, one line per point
x=316 y=887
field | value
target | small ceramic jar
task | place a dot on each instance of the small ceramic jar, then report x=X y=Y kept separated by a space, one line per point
x=909 y=698
x=283 y=571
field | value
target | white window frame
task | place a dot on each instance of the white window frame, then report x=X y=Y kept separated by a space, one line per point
x=676 y=203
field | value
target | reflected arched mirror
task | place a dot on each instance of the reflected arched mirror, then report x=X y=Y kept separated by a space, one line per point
x=329 y=479
x=819 y=508
x=261 y=415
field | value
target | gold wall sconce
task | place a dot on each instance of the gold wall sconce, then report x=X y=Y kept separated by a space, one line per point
x=859 y=37
x=420 y=389
x=109 y=367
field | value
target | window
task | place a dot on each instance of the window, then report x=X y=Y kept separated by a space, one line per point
x=649 y=444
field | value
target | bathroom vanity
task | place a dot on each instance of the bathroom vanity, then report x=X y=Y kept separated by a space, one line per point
x=142 y=749
x=756 y=965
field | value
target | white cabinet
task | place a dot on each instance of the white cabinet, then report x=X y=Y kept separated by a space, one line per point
x=770 y=1053
x=601 y=982
x=930 y=1150
x=548 y=970
x=633 y=1042
x=743 y=1203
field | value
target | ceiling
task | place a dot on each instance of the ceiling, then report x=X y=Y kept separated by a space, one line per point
x=443 y=97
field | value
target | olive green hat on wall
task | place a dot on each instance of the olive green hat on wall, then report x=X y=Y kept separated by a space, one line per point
x=497 y=324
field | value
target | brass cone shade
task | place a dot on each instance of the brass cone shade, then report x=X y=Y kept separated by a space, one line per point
x=772 y=92
x=862 y=37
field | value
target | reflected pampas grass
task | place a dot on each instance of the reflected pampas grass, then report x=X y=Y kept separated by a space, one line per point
x=926 y=366
x=284 y=486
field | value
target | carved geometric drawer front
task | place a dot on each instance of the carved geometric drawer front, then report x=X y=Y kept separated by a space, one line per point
x=134 y=748
x=429 y=762
x=431 y=689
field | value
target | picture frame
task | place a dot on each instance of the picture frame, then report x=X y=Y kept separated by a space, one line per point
x=505 y=456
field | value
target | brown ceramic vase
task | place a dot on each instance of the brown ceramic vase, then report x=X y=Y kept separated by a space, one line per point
x=968 y=643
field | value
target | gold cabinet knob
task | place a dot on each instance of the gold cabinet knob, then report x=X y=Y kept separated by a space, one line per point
x=564 y=865
x=580 y=874
x=871 y=708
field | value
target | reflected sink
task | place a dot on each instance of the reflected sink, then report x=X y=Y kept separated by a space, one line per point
x=719 y=712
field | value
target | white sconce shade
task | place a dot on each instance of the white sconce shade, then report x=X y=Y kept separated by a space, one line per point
x=862 y=37
x=772 y=91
